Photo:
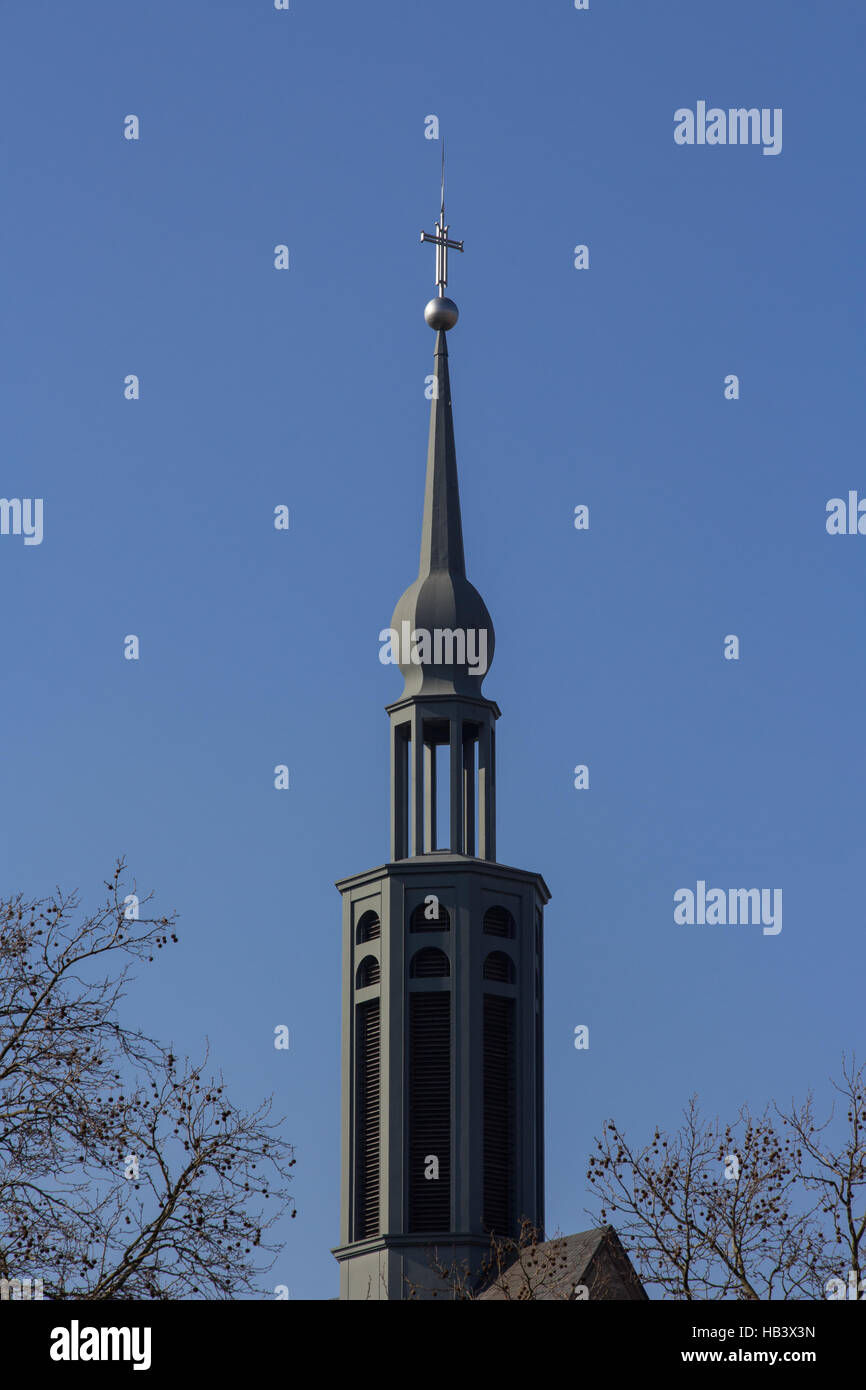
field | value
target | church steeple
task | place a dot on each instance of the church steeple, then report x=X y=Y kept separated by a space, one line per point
x=442 y=600
x=444 y=641
x=443 y=1115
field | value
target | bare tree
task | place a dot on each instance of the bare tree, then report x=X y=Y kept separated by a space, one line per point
x=753 y=1210
x=837 y=1172
x=124 y=1173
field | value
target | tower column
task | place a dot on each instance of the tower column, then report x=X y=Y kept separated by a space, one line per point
x=469 y=775
x=429 y=797
x=486 y=798
x=455 y=728
x=417 y=834
x=399 y=792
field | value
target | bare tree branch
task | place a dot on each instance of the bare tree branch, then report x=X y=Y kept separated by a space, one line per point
x=124 y=1174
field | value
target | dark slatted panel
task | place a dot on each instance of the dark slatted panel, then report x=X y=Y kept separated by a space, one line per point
x=367 y=1121
x=368 y=973
x=499 y=1126
x=500 y=967
x=429 y=1110
x=419 y=922
x=369 y=927
x=498 y=921
x=426 y=964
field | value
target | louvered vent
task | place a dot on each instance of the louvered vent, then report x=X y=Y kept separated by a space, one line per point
x=369 y=928
x=418 y=921
x=499 y=1118
x=367 y=1120
x=498 y=921
x=426 y=964
x=368 y=973
x=429 y=1110
x=498 y=966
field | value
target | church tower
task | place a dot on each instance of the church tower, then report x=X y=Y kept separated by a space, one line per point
x=442 y=1058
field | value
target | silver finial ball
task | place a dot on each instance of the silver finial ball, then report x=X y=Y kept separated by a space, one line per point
x=441 y=313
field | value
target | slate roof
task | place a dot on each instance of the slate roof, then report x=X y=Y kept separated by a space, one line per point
x=593 y=1259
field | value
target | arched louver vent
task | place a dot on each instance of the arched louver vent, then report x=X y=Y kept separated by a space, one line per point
x=428 y=963
x=498 y=921
x=429 y=1110
x=419 y=921
x=499 y=1116
x=367 y=1120
x=368 y=973
x=369 y=928
x=499 y=966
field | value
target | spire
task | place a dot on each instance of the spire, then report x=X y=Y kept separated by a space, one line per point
x=442 y=529
x=442 y=598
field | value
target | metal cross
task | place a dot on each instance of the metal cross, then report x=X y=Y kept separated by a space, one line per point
x=441 y=240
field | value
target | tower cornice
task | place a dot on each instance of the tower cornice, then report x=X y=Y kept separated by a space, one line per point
x=466 y=701
x=423 y=865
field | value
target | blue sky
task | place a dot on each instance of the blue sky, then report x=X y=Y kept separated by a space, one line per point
x=306 y=387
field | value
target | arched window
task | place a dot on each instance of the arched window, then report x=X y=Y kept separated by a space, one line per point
x=369 y=928
x=419 y=921
x=499 y=966
x=427 y=963
x=368 y=973
x=498 y=921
